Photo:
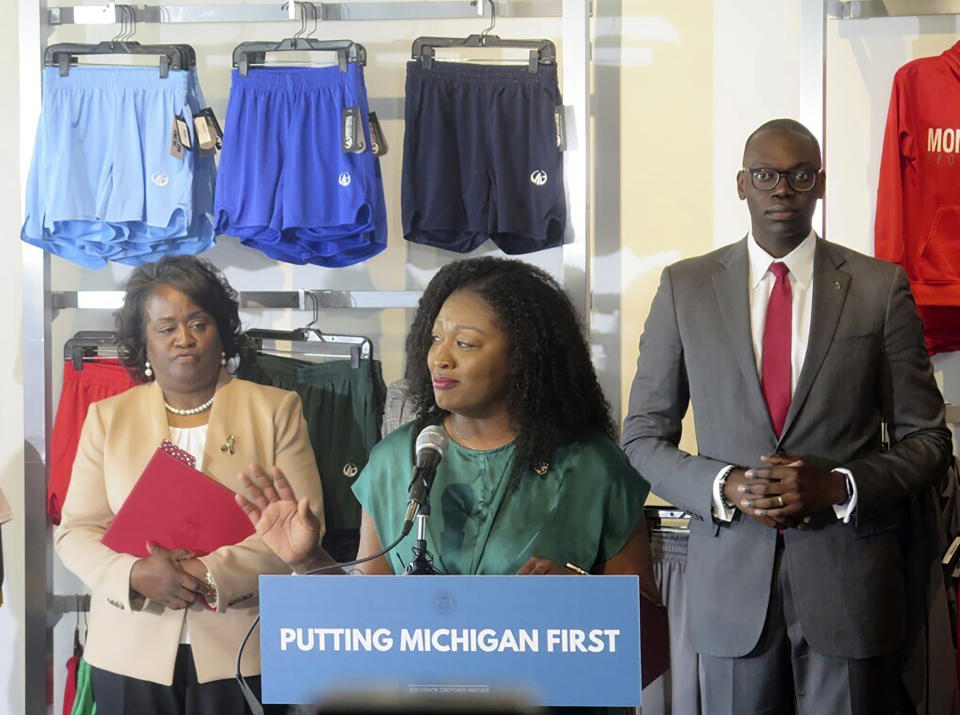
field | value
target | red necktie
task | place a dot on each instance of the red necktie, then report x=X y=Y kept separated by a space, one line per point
x=775 y=363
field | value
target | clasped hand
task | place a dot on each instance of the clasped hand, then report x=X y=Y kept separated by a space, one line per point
x=785 y=493
x=172 y=578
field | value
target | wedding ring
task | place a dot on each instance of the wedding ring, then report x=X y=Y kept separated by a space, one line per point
x=780 y=499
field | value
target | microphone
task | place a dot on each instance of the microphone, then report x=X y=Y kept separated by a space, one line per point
x=431 y=444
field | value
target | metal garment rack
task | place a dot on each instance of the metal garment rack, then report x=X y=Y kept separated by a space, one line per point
x=863 y=9
x=41 y=302
x=259 y=300
x=275 y=12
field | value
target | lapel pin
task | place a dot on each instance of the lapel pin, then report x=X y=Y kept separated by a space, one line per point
x=836 y=285
x=229 y=445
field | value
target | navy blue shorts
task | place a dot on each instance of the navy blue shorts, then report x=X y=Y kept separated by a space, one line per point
x=481 y=158
x=285 y=185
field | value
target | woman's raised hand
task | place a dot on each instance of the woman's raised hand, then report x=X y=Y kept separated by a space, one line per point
x=284 y=523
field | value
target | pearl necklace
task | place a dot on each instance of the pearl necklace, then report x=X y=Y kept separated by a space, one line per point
x=190 y=410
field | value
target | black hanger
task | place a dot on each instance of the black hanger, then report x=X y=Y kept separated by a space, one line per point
x=247 y=54
x=309 y=337
x=65 y=54
x=90 y=345
x=542 y=52
x=188 y=54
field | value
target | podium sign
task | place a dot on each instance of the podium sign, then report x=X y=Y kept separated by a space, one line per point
x=561 y=640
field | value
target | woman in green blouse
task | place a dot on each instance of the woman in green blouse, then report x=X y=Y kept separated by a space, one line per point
x=532 y=479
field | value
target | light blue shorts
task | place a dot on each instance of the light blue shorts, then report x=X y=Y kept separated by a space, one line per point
x=104 y=184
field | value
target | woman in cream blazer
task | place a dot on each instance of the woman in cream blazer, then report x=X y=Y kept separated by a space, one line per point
x=135 y=637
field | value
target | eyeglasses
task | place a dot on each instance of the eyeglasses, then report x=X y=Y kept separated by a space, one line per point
x=767 y=179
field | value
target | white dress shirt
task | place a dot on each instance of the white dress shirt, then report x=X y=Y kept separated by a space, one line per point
x=191 y=440
x=761 y=281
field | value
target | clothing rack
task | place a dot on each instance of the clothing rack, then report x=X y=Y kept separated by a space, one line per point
x=275 y=12
x=69 y=603
x=89 y=344
x=303 y=299
x=666 y=520
x=42 y=301
x=862 y=9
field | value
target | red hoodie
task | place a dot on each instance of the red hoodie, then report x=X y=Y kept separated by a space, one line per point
x=918 y=200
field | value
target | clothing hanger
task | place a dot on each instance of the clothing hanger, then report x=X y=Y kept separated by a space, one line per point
x=304 y=341
x=247 y=54
x=90 y=345
x=676 y=519
x=188 y=52
x=65 y=54
x=542 y=52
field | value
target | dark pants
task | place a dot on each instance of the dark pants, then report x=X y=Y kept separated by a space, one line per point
x=117 y=694
x=342 y=406
x=785 y=675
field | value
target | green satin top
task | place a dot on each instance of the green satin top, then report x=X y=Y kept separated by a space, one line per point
x=582 y=510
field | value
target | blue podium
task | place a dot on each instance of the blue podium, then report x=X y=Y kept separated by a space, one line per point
x=560 y=640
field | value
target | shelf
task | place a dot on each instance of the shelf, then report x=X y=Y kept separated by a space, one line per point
x=275 y=12
x=260 y=300
x=863 y=9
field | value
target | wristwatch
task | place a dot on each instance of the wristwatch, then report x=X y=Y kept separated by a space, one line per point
x=727 y=504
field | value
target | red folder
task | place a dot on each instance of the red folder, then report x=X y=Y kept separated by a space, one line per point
x=177 y=507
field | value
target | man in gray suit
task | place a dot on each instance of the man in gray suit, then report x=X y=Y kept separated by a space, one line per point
x=793 y=352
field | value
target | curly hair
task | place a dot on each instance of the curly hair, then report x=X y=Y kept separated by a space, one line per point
x=193 y=276
x=554 y=397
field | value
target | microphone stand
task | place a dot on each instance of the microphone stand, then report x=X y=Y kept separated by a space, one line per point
x=422 y=564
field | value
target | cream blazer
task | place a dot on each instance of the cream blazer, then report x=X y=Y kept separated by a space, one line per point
x=140 y=638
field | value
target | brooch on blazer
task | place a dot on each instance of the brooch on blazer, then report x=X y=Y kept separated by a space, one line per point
x=228 y=446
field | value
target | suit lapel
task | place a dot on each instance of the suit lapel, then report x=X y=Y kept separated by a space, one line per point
x=732 y=290
x=159 y=429
x=217 y=448
x=830 y=286
x=152 y=429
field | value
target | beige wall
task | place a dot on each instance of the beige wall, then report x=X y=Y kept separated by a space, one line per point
x=11 y=373
x=667 y=143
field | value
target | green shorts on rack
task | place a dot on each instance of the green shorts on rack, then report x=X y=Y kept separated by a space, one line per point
x=343 y=407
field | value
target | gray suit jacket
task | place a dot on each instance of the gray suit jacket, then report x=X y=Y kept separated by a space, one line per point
x=865 y=363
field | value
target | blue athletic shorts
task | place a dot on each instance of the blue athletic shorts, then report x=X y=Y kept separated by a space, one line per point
x=481 y=158
x=103 y=184
x=286 y=187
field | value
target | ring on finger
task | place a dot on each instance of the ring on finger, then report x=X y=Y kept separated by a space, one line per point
x=780 y=499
